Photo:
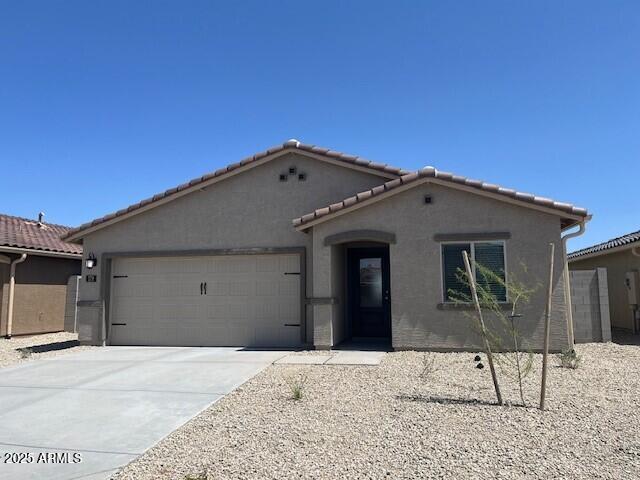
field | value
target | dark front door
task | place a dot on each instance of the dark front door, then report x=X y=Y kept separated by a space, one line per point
x=368 y=284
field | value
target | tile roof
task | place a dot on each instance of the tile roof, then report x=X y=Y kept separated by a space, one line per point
x=292 y=145
x=430 y=172
x=627 y=239
x=24 y=233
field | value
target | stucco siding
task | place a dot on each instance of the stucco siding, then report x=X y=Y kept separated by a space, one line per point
x=39 y=296
x=617 y=264
x=253 y=209
x=416 y=279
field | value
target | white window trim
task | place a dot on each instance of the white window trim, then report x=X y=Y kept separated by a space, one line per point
x=472 y=243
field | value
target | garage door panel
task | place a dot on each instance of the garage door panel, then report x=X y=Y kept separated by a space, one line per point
x=267 y=310
x=178 y=313
x=242 y=287
x=217 y=288
x=288 y=313
x=132 y=266
x=134 y=287
x=289 y=286
x=267 y=264
x=266 y=288
x=289 y=263
x=177 y=285
x=248 y=302
x=131 y=308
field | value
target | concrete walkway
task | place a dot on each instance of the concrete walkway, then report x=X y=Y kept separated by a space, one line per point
x=84 y=415
x=339 y=357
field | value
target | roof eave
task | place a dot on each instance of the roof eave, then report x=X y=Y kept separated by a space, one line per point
x=232 y=170
x=40 y=253
x=573 y=218
x=606 y=251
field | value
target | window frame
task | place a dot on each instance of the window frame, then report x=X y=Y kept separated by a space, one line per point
x=472 y=247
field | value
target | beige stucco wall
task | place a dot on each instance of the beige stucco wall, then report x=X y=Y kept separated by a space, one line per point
x=39 y=296
x=249 y=210
x=617 y=264
x=416 y=285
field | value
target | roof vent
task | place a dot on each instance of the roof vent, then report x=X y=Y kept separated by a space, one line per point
x=40 y=219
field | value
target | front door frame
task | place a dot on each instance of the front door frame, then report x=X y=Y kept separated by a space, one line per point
x=354 y=310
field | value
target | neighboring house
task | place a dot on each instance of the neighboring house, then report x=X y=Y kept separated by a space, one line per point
x=301 y=245
x=35 y=267
x=621 y=257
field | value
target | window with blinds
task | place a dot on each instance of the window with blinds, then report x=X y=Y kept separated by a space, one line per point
x=490 y=275
x=452 y=268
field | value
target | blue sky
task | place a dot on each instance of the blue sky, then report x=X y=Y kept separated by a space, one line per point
x=105 y=103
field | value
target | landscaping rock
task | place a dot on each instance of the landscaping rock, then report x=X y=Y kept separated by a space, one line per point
x=389 y=421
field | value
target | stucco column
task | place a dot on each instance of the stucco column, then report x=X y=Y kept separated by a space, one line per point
x=322 y=300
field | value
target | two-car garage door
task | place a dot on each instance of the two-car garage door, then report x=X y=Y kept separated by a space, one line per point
x=224 y=300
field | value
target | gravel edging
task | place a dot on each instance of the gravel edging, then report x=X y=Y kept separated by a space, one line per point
x=21 y=349
x=388 y=422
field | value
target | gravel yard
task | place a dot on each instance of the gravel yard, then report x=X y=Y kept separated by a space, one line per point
x=23 y=349
x=388 y=422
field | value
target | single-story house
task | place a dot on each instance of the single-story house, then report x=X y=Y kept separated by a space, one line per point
x=305 y=246
x=621 y=258
x=35 y=268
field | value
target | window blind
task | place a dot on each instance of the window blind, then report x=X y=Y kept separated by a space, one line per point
x=452 y=265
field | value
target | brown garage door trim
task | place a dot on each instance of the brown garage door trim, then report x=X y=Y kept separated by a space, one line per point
x=107 y=258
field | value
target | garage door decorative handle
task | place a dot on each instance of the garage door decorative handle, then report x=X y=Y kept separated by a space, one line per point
x=201 y=288
x=205 y=288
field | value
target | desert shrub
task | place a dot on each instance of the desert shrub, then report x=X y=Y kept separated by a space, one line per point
x=503 y=334
x=296 y=386
x=429 y=365
x=569 y=358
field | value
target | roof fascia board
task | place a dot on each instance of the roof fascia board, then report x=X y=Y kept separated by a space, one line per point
x=445 y=183
x=243 y=168
x=40 y=253
x=606 y=251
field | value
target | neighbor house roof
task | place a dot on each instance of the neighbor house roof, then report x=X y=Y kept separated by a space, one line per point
x=20 y=234
x=352 y=161
x=571 y=214
x=624 y=242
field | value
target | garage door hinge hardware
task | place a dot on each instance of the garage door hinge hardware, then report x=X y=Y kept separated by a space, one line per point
x=118 y=324
x=291 y=324
x=121 y=276
x=292 y=273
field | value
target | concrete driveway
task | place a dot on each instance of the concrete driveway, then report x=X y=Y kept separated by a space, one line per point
x=84 y=415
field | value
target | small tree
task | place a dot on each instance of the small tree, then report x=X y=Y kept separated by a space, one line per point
x=512 y=360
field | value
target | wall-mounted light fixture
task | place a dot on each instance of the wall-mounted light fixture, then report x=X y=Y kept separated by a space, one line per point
x=91 y=261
